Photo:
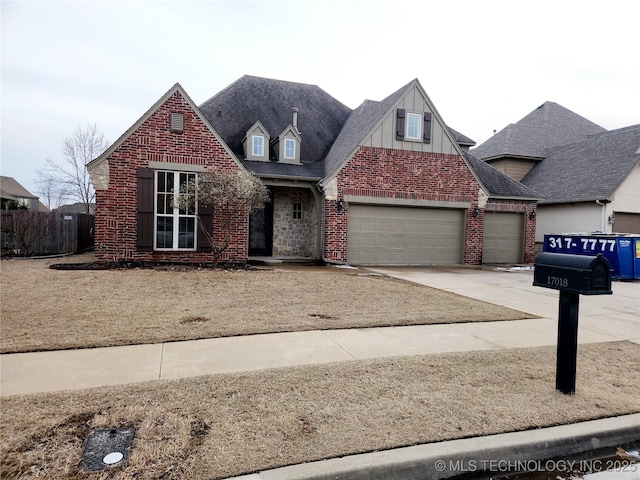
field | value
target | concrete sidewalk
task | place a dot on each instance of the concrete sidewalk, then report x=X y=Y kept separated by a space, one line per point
x=603 y=318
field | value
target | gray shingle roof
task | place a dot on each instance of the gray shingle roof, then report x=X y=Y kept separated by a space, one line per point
x=462 y=140
x=499 y=184
x=321 y=117
x=549 y=125
x=359 y=123
x=12 y=190
x=588 y=170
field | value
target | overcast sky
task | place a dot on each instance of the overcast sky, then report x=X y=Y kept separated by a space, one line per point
x=484 y=63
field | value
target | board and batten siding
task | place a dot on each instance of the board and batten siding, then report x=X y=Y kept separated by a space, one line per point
x=384 y=136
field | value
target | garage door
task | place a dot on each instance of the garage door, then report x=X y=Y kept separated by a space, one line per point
x=626 y=222
x=383 y=235
x=503 y=237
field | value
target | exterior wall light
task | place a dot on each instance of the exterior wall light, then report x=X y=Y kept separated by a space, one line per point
x=340 y=205
x=532 y=215
x=475 y=212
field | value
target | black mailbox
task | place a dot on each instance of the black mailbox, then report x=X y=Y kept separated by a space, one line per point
x=580 y=274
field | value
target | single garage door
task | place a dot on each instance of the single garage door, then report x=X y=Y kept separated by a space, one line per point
x=503 y=237
x=383 y=235
x=626 y=222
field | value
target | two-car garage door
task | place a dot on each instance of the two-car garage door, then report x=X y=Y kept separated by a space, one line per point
x=385 y=235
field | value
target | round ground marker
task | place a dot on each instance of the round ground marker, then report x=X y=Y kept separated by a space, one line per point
x=113 y=457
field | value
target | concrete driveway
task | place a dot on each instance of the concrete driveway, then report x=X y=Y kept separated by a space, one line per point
x=616 y=315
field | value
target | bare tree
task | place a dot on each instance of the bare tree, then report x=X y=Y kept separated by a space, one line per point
x=26 y=227
x=71 y=175
x=52 y=193
x=232 y=196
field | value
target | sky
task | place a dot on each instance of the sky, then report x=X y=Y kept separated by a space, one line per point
x=484 y=64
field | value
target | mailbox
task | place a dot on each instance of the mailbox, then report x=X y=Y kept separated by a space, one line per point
x=581 y=274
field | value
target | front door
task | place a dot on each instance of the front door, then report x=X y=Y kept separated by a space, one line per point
x=261 y=230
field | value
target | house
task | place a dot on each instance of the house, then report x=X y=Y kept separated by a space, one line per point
x=14 y=195
x=589 y=177
x=388 y=183
x=78 y=207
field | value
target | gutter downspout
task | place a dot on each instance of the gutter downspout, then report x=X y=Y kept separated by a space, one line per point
x=603 y=219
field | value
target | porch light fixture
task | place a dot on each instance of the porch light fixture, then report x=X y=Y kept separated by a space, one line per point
x=611 y=219
x=340 y=205
x=532 y=215
x=475 y=212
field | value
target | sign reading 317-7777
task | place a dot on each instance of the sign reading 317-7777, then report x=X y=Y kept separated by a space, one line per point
x=578 y=245
x=618 y=249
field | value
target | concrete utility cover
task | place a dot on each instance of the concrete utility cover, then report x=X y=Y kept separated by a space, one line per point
x=105 y=448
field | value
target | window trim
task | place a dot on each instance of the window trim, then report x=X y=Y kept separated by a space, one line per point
x=253 y=145
x=176 y=216
x=292 y=142
x=297 y=211
x=413 y=115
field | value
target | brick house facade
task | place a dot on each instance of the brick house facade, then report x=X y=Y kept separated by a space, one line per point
x=324 y=165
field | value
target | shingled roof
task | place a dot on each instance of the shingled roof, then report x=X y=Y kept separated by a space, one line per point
x=321 y=117
x=588 y=170
x=547 y=126
x=360 y=122
x=497 y=183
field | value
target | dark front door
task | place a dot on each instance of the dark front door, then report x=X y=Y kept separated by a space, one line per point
x=261 y=230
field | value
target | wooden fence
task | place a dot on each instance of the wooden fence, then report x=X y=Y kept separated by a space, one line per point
x=45 y=233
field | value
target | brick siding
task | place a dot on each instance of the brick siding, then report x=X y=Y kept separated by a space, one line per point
x=116 y=207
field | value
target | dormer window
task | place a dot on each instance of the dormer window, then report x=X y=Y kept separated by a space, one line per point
x=289 y=148
x=257 y=142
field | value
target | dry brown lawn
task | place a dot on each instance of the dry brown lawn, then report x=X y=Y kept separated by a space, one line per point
x=212 y=427
x=217 y=426
x=45 y=309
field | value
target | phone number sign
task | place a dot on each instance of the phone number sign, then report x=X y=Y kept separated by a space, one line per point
x=618 y=250
x=579 y=245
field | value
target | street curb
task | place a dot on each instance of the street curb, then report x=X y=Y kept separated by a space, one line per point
x=442 y=460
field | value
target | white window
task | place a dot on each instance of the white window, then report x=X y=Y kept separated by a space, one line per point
x=289 y=148
x=257 y=142
x=175 y=211
x=414 y=126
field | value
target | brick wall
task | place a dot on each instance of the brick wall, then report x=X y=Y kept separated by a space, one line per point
x=116 y=207
x=386 y=173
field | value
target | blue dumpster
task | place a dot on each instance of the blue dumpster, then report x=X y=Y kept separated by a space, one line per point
x=622 y=250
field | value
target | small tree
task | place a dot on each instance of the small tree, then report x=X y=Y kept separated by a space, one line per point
x=231 y=195
x=71 y=176
x=27 y=227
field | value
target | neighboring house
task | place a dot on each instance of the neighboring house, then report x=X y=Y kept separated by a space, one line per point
x=77 y=207
x=385 y=184
x=592 y=185
x=589 y=177
x=12 y=193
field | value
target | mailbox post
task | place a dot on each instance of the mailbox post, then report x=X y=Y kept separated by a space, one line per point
x=572 y=275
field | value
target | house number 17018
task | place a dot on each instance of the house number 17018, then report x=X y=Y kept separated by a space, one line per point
x=557 y=281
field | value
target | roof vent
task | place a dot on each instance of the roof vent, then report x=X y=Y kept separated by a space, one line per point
x=177 y=122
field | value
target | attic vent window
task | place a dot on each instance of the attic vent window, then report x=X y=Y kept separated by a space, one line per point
x=177 y=122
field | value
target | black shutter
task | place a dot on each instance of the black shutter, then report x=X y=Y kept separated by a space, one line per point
x=205 y=220
x=426 y=130
x=400 y=114
x=145 y=210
